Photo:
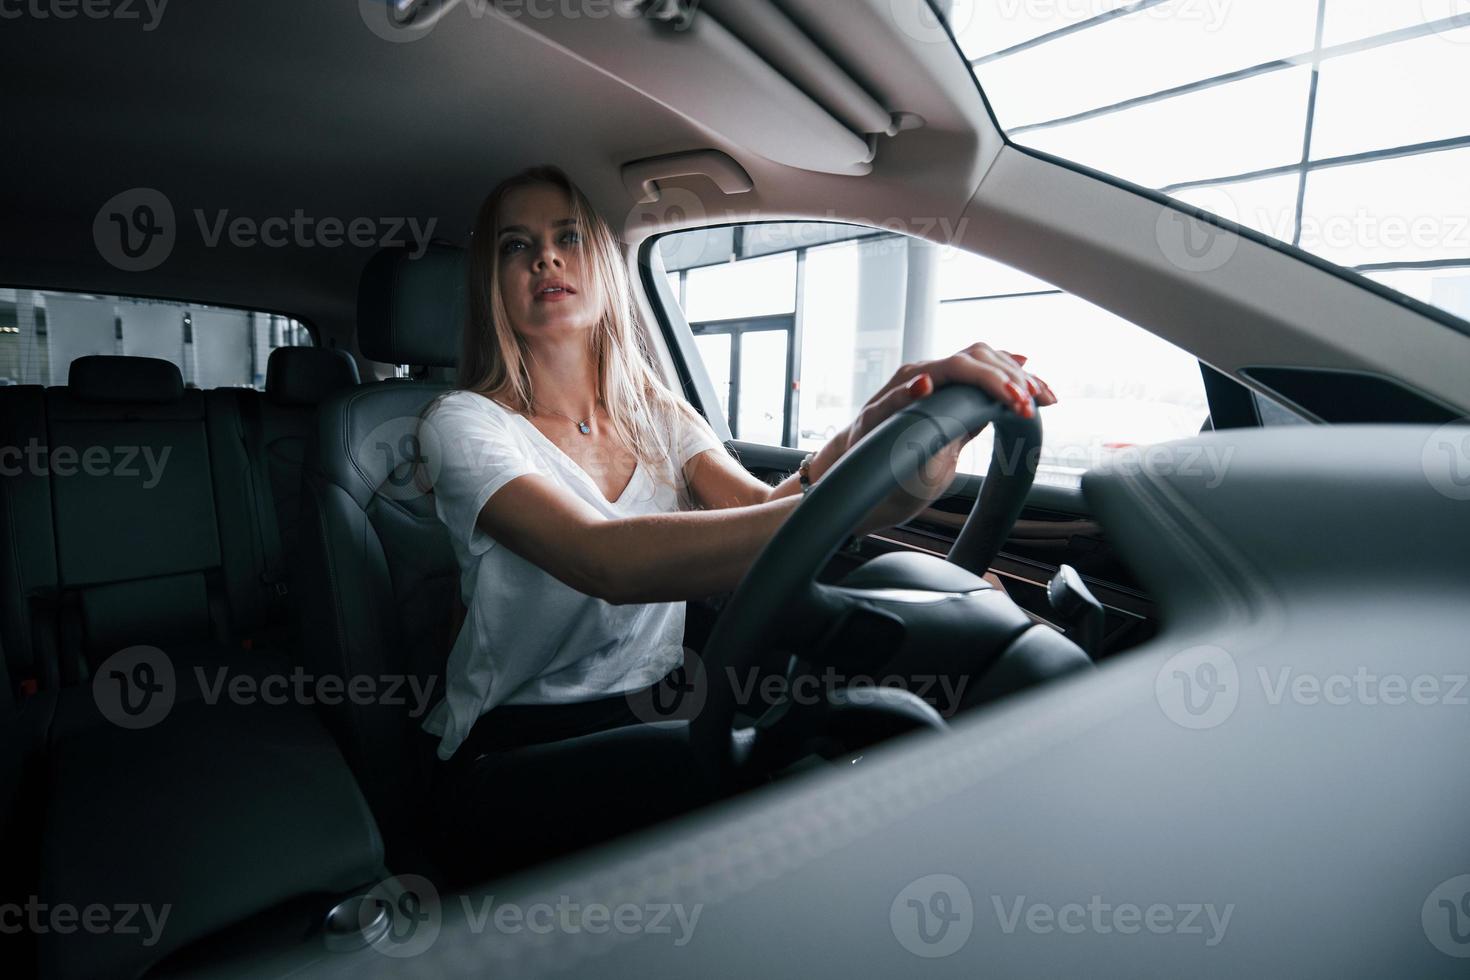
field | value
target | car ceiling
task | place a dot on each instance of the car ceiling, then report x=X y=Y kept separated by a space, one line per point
x=270 y=107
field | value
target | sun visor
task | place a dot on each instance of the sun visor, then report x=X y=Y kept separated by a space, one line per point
x=739 y=68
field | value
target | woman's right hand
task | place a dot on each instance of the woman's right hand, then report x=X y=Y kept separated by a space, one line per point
x=998 y=373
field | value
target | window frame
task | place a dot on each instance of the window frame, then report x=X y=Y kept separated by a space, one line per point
x=736 y=329
x=311 y=329
x=1222 y=393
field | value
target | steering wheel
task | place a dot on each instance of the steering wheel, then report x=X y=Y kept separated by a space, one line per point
x=780 y=608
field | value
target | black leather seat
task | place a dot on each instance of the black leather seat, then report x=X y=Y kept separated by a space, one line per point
x=380 y=582
x=274 y=427
x=126 y=523
x=132 y=531
x=378 y=578
x=297 y=381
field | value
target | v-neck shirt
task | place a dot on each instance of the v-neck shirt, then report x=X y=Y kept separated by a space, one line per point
x=529 y=638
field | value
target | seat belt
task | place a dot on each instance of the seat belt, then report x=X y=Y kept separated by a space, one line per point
x=272 y=576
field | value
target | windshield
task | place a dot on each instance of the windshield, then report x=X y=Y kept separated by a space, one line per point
x=1339 y=126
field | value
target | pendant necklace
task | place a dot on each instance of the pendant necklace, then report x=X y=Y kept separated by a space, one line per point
x=583 y=426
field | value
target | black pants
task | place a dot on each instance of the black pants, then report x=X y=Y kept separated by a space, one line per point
x=512 y=726
x=533 y=782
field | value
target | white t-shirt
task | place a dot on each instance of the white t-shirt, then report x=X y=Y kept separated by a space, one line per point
x=528 y=638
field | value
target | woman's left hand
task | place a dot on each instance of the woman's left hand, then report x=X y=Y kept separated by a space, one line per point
x=1000 y=374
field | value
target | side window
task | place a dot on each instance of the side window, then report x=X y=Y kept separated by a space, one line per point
x=42 y=331
x=798 y=324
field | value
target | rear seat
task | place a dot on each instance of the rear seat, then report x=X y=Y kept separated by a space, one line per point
x=265 y=481
x=140 y=545
x=297 y=380
x=137 y=526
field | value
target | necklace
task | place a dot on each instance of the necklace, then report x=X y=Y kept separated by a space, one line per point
x=582 y=426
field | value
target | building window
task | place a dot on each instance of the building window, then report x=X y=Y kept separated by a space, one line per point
x=1338 y=126
x=795 y=341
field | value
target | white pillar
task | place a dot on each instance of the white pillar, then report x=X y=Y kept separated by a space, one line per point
x=189 y=351
x=32 y=348
x=921 y=301
x=921 y=298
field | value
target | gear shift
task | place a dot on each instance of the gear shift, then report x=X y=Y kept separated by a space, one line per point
x=1077 y=609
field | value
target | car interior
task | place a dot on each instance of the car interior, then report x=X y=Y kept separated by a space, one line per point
x=311 y=172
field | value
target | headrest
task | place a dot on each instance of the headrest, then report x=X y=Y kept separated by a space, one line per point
x=307 y=375
x=113 y=378
x=411 y=311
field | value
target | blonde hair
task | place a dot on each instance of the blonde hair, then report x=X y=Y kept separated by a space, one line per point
x=642 y=408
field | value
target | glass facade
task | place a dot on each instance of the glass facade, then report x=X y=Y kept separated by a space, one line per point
x=1339 y=126
x=43 y=331
x=795 y=340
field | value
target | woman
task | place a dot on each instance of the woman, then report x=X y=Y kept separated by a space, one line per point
x=584 y=499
